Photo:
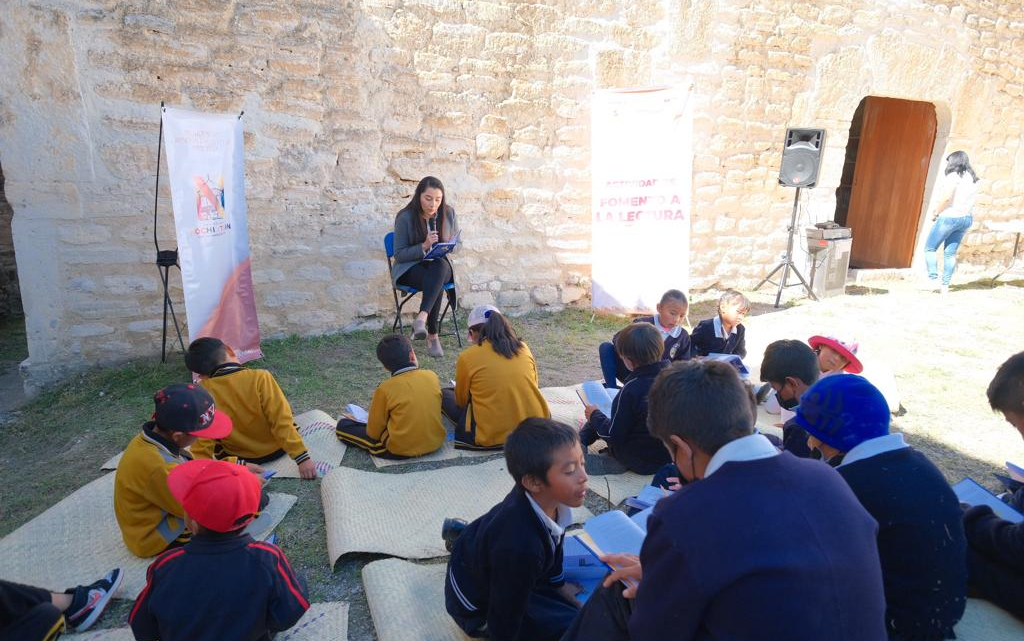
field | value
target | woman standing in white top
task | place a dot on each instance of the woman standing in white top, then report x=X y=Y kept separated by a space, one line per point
x=952 y=215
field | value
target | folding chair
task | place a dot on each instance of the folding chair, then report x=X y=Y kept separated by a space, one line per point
x=408 y=292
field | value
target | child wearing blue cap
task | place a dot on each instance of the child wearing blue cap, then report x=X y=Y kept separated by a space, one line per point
x=921 y=539
x=995 y=556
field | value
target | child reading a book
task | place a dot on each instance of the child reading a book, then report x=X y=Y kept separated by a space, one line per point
x=505 y=572
x=810 y=572
x=790 y=367
x=404 y=418
x=264 y=427
x=995 y=557
x=920 y=534
x=725 y=333
x=496 y=384
x=222 y=584
x=150 y=518
x=640 y=347
x=668 y=318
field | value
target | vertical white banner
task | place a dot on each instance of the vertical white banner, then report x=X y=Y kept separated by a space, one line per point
x=205 y=166
x=641 y=167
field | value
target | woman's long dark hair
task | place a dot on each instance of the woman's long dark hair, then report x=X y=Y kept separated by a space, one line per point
x=499 y=331
x=960 y=163
x=427 y=183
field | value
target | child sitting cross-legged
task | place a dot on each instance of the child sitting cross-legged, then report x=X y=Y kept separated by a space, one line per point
x=920 y=534
x=505 y=577
x=995 y=557
x=405 y=413
x=150 y=518
x=668 y=319
x=724 y=333
x=264 y=427
x=222 y=584
x=629 y=442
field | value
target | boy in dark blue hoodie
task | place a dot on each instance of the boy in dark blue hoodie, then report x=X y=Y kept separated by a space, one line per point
x=625 y=431
x=921 y=540
x=504 y=577
x=995 y=556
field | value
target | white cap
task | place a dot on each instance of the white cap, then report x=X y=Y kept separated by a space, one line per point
x=480 y=313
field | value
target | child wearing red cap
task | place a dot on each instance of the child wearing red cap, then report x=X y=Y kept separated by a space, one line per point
x=150 y=518
x=921 y=540
x=222 y=584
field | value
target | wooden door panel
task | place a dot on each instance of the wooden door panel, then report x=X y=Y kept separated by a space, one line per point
x=890 y=173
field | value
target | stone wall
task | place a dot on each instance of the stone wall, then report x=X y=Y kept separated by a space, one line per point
x=10 y=297
x=348 y=104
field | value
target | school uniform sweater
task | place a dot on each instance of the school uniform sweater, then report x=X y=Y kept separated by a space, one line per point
x=218 y=587
x=677 y=343
x=761 y=550
x=149 y=516
x=498 y=560
x=405 y=413
x=261 y=418
x=794 y=439
x=498 y=392
x=705 y=339
x=921 y=539
x=626 y=431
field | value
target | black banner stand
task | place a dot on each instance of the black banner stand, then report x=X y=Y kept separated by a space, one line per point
x=166 y=258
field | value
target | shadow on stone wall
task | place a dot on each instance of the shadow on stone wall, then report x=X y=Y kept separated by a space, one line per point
x=10 y=293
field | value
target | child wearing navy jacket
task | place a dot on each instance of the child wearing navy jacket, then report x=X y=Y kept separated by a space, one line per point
x=725 y=333
x=995 y=556
x=505 y=577
x=222 y=584
x=764 y=547
x=668 y=319
x=790 y=367
x=920 y=534
x=625 y=431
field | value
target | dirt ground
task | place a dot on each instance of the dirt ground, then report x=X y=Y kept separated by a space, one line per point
x=940 y=349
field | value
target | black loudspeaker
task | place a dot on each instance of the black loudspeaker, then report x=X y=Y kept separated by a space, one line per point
x=801 y=157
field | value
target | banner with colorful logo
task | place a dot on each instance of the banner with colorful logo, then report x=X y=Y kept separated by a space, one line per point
x=205 y=166
x=641 y=167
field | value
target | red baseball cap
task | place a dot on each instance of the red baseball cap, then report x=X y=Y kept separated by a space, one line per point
x=220 y=496
x=185 y=407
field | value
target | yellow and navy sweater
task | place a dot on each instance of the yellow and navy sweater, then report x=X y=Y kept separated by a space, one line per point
x=260 y=415
x=405 y=413
x=148 y=514
x=498 y=392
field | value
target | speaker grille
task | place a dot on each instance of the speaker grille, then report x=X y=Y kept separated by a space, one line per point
x=801 y=157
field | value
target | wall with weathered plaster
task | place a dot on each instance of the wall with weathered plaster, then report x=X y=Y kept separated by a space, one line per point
x=348 y=104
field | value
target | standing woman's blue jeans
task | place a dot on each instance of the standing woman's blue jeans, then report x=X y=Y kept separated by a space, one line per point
x=948 y=231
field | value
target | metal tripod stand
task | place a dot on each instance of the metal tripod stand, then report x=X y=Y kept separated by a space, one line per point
x=787 y=263
x=165 y=258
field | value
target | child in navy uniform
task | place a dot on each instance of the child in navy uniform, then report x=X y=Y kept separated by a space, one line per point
x=920 y=534
x=764 y=547
x=504 y=577
x=790 y=367
x=725 y=333
x=625 y=431
x=668 y=319
x=995 y=556
x=28 y=613
x=222 y=584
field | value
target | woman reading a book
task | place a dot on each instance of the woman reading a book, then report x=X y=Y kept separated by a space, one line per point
x=425 y=221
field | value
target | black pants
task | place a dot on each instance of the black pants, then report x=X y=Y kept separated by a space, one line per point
x=996 y=582
x=28 y=614
x=220 y=453
x=430 y=277
x=465 y=435
x=547 y=615
x=354 y=433
x=604 y=617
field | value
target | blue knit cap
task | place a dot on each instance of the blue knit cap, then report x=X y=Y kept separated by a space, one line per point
x=843 y=411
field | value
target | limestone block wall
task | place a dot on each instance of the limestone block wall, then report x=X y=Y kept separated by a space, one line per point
x=348 y=104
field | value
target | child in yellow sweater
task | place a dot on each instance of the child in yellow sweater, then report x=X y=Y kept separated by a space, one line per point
x=405 y=413
x=264 y=426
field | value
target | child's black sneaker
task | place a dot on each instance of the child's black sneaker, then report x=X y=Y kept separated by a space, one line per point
x=89 y=601
x=450 y=530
